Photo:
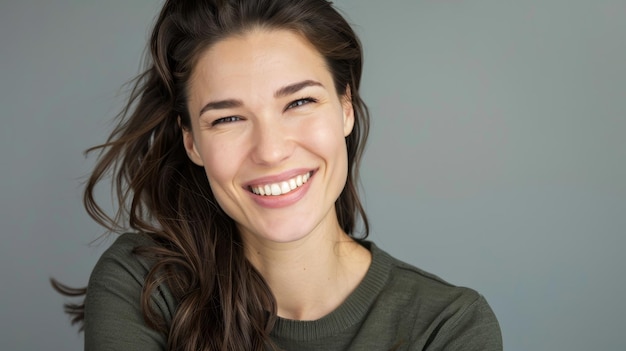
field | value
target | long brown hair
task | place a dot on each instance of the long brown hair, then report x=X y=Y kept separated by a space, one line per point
x=223 y=302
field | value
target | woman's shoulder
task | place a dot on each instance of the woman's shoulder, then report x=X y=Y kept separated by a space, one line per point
x=113 y=313
x=120 y=256
x=126 y=242
x=417 y=281
x=432 y=306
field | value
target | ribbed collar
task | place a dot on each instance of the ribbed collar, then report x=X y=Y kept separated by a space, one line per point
x=350 y=312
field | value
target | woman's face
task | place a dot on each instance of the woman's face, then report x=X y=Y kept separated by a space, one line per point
x=269 y=129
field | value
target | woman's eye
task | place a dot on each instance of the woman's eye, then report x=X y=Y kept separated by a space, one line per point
x=226 y=120
x=301 y=102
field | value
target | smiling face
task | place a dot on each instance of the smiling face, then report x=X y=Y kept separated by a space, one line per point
x=269 y=129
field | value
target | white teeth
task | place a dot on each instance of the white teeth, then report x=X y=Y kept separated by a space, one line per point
x=275 y=189
x=281 y=188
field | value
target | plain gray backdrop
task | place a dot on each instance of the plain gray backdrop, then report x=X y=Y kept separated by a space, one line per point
x=497 y=157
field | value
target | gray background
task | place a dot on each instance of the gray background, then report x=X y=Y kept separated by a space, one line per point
x=497 y=156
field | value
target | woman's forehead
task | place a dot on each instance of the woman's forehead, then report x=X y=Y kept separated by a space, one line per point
x=263 y=59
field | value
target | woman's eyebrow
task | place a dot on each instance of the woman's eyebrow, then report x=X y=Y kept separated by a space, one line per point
x=282 y=92
x=221 y=104
x=294 y=88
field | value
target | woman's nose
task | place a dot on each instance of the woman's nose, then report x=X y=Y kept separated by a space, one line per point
x=272 y=144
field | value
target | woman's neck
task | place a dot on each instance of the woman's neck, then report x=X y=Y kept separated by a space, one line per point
x=312 y=276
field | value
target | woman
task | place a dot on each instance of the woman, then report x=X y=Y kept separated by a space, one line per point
x=236 y=165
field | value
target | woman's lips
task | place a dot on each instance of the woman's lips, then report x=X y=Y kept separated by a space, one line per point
x=281 y=190
x=282 y=187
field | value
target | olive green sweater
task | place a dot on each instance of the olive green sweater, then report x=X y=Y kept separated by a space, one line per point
x=395 y=307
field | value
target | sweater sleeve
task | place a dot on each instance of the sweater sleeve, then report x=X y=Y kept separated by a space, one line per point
x=473 y=328
x=113 y=315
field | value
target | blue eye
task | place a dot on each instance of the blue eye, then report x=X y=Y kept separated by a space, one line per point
x=301 y=102
x=226 y=120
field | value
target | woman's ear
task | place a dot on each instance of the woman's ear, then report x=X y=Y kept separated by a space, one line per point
x=190 y=145
x=348 y=112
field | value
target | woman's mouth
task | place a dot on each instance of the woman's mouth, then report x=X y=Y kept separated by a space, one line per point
x=281 y=188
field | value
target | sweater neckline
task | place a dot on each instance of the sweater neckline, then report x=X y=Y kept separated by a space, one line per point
x=350 y=312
